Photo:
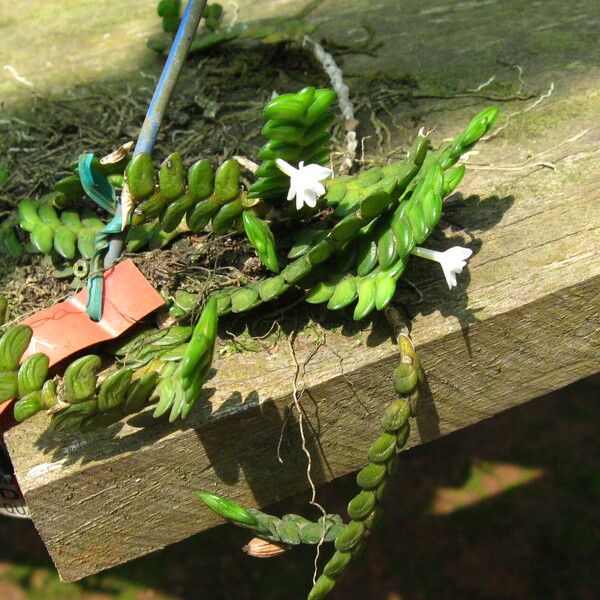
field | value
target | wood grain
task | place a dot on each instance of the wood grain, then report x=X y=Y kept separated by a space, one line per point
x=524 y=320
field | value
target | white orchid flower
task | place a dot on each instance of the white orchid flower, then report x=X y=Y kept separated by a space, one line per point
x=453 y=260
x=305 y=182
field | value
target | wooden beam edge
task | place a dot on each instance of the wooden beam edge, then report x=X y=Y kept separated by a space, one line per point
x=548 y=344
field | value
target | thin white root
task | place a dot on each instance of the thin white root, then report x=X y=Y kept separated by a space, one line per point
x=483 y=85
x=510 y=116
x=236 y=13
x=533 y=162
x=18 y=77
x=343 y=92
x=313 y=498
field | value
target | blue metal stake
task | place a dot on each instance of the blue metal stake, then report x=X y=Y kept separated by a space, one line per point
x=160 y=100
x=177 y=55
x=112 y=235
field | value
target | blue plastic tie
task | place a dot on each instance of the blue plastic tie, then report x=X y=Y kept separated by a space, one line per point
x=95 y=184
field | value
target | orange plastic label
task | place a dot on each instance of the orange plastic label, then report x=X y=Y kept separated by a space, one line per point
x=65 y=328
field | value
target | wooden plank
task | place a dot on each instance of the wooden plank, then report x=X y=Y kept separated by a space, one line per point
x=524 y=320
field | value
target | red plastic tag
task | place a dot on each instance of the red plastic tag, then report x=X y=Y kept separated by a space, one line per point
x=65 y=328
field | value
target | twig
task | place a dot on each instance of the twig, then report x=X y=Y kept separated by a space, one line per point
x=236 y=13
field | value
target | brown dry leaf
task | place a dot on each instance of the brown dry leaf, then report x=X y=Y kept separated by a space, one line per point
x=260 y=548
x=117 y=155
x=127 y=205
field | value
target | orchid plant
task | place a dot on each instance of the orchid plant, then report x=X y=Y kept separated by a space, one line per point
x=351 y=239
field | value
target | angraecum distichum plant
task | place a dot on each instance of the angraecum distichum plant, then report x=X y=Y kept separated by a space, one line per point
x=352 y=235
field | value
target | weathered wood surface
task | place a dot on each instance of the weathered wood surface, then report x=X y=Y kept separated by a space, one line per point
x=523 y=321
